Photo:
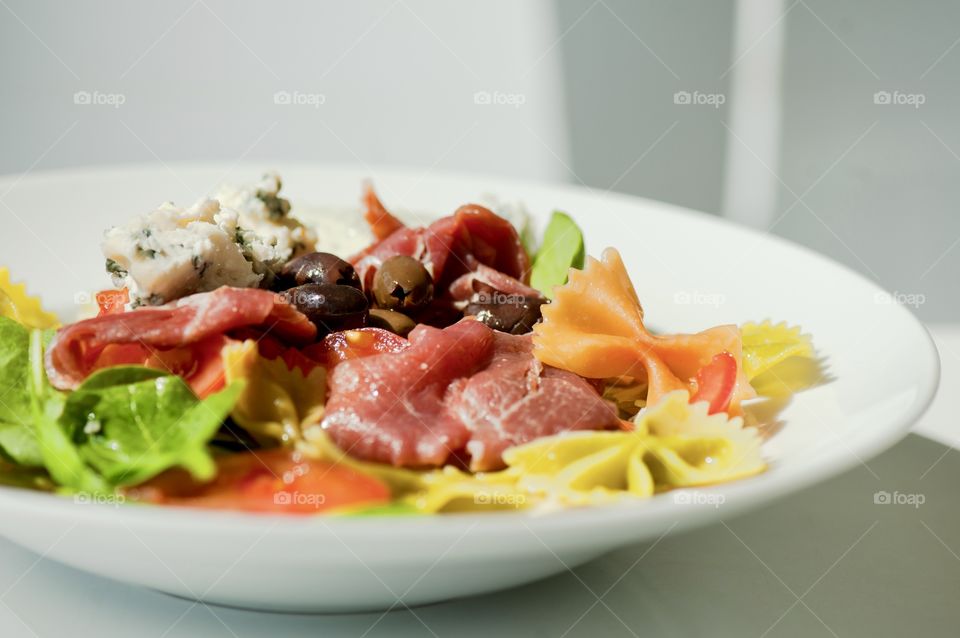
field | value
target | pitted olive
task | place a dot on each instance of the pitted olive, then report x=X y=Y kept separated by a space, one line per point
x=395 y=322
x=330 y=307
x=402 y=284
x=511 y=313
x=317 y=268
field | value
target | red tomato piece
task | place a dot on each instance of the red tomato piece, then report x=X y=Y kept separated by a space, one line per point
x=199 y=363
x=354 y=344
x=716 y=382
x=111 y=302
x=268 y=481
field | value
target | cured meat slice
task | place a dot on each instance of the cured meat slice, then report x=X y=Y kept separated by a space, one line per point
x=390 y=408
x=516 y=399
x=462 y=391
x=76 y=350
x=451 y=246
x=381 y=222
x=463 y=287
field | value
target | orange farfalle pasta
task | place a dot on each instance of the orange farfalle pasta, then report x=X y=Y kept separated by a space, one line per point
x=594 y=328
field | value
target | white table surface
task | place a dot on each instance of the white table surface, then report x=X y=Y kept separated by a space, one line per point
x=826 y=562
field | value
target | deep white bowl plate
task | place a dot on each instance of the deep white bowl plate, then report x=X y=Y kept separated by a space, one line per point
x=691 y=270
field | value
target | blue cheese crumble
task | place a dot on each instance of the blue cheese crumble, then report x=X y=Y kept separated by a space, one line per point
x=239 y=238
x=271 y=237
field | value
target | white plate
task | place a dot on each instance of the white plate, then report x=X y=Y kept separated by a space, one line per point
x=691 y=271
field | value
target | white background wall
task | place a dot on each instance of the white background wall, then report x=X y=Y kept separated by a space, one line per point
x=388 y=81
x=872 y=185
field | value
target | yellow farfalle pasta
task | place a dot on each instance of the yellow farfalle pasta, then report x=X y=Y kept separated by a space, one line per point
x=767 y=344
x=674 y=445
x=316 y=444
x=451 y=490
x=690 y=447
x=277 y=403
x=17 y=304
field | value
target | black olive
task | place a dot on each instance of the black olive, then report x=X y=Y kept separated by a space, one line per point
x=395 y=322
x=329 y=306
x=402 y=283
x=511 y=313
x=316 y=268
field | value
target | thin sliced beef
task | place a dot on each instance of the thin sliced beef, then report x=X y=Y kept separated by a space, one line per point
x=461 y=391
x=449 y=247
x=390 y=408
x=515 y=399
x=76 y=349
x=464 y=286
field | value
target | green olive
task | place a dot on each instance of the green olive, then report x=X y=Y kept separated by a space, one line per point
x=329 y=306
x=395 y=322
x=402 y=283
x=316 y=268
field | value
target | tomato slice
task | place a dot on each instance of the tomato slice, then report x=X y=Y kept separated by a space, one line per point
x=268 y=481
x=716 y=382
x=199 y=364
x=354 y=344
x=111 y=302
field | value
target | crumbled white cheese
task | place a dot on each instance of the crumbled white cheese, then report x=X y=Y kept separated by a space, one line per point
x=172 y=252
x=240 y=238
x=271 y=236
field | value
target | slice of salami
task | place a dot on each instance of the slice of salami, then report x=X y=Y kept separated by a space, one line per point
x=75 y=350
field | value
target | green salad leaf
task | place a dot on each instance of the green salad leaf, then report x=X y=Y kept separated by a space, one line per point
x=561 y=250
x=130 y=424
x=60 y=456
x=122 y=426
x=17 y=439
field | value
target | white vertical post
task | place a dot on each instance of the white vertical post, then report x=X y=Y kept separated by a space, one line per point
x=751 y=185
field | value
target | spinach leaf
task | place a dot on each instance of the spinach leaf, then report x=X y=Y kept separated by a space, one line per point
x=132 y=423
x=122 y=426
x=60 y=456
x=561 y=250
x=17 y=439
